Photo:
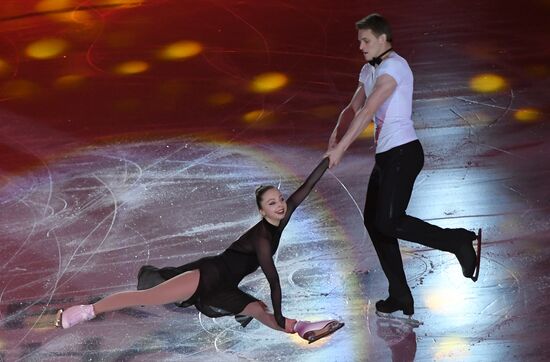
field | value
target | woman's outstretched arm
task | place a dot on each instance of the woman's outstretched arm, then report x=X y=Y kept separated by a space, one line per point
x=301 y=193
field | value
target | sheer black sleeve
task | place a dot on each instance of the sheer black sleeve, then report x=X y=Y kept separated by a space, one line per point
x=263 y=252
x=301 y=193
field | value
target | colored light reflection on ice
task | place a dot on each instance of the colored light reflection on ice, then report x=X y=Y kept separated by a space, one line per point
x=62 y=10
x=19 y=89
x=69 y=81
x=181 y=50
x=438 y=300
x=4 y=67
x=451 y=347
x=132 y=67
x=220 y=99
x=46 y=48
x=268 y=82
x=259 y=115
x=488 y=83
x=368 y=132
x=527 y=115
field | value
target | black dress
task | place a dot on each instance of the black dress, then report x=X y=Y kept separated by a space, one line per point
x=218 y=293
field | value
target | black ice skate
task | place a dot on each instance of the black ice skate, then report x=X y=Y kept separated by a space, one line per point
x=470 y=260
x=386 y=308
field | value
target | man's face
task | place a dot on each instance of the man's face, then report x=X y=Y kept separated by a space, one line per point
x=371 y=45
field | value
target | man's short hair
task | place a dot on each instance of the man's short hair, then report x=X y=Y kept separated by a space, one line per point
x=377 y=24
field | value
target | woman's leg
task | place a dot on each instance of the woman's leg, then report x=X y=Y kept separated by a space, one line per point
x=179 y=288
x=258 y=310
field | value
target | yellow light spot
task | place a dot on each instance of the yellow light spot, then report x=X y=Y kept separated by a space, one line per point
x=62 y=10
x=120 y=3
x=268 y=82
x=5 y=68
x=69 y=81
x=132 y=67
x=527 y=115
x=487 y=83
x=368 y=132
x=451 y=347
x=438 y=301
x=2 y=345
x=46 y=48
x=181 y=50
x=220 y=99
x=19 y=89
x=260 y=115
x=53 y=5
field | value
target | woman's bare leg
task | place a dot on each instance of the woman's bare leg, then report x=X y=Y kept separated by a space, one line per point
x=179 y=288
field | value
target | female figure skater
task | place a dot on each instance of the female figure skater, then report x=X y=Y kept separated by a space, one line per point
x=211 y=283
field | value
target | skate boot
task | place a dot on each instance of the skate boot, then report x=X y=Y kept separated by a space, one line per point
x=313 y=331
x=391 y=305
x=74 y=315
x=468 y=258
x=385 y=308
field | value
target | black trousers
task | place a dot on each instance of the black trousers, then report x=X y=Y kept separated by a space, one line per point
x=388 y=194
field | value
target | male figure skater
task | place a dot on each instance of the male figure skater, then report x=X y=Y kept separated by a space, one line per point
x=384 y=95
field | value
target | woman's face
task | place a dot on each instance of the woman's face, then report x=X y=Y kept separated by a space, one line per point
x=273 y=206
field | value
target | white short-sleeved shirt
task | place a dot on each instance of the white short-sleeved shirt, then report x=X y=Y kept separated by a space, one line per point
x=393 y=120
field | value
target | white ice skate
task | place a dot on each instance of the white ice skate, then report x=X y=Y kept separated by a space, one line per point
x=313 y=331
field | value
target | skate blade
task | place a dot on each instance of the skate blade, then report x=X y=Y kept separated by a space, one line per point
x=478 y=257
x=327 y=330
x=408 y=320
x=58 y=317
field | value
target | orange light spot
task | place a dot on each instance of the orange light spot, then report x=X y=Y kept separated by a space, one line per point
x=368 y=132
x=19 y=89
x=527 y=115
x=220 y=99
x=120 y=3
x=69 y=81
x=259 y=115
x=181 y=50
x=5 y=68
x=46 y=48
x=132 y=67
x=268 y=82
x=62 y=10
x=488 y=83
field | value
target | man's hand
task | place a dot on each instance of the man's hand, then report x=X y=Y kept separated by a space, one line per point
x=332 y=140
x=335 y=156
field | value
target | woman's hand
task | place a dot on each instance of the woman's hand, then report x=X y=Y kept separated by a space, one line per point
x=289 y=325
x=335 y=155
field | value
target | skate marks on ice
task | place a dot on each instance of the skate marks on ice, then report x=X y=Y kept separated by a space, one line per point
x=99 y=214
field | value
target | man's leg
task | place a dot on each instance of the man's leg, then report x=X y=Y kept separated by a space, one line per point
x=387 y=247
x=400 y=169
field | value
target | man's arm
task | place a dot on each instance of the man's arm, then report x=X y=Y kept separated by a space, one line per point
x=383 y=88
x=348 y=114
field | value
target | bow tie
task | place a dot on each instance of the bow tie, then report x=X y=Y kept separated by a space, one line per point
x=377 y=60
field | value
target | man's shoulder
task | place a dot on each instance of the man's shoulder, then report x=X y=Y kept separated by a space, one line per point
x=396 y=62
